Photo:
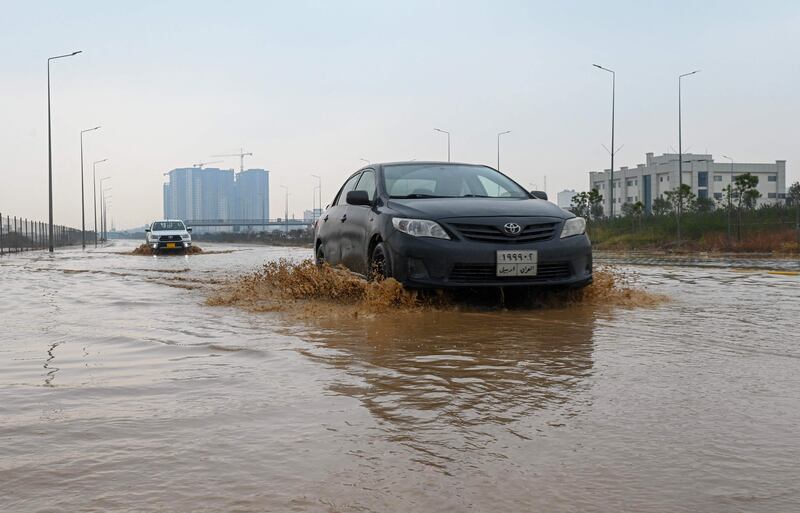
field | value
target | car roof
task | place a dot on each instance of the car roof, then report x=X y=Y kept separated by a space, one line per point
x=424 y=162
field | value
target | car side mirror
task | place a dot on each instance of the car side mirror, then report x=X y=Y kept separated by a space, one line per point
x=189 y=230
x=146 y=230
x=539 y=195
x=358 y=198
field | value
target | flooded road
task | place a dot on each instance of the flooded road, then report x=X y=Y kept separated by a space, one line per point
x=121 y=390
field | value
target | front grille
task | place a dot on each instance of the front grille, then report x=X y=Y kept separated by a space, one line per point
x=478 y=273
x=170 y=238
x=490 y=233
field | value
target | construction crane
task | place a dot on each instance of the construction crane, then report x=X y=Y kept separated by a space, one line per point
x=241 y=156
x=201 y=164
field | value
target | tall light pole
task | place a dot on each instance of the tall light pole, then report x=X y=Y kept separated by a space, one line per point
x=498 y=147
x=729 y=197
x=319 y=186
x=613 y=149
x=680 y=154
x=94 y=195
x=101 y=205
x=286 y=212
x=50 y=149
x=448 y=141
x=83 y=202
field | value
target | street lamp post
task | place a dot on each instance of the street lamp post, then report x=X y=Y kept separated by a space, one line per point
x=101 y=208
x=286 y=211
x=680 y=155
x=729 y=198
x=448 y=141
x=613 y=149
x=50 y=150
x=319 y=186
x=498 y=147
x=83 y=202
x=94 y=196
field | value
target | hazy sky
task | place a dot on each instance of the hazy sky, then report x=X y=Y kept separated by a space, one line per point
x=313 y=87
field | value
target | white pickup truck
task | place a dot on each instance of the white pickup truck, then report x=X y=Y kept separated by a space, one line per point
x=168 y=235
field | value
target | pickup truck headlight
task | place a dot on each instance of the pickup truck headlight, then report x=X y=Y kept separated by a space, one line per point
x=186 y=236
x=574 y=226
x=420 y=228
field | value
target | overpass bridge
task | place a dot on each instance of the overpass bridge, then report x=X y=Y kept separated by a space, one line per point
x=237 y=224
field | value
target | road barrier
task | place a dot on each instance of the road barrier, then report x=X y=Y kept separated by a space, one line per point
x=19 y=234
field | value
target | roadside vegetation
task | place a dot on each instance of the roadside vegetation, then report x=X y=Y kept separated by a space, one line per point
x=733 y=224
x=301 y=238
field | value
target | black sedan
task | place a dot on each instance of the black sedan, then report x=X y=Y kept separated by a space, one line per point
x=435 y=224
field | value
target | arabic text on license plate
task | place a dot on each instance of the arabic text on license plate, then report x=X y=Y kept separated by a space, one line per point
x=170 y=245
x=517 y=263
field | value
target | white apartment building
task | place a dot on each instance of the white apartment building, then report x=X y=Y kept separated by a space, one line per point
x=708 y=179
x=564 y=198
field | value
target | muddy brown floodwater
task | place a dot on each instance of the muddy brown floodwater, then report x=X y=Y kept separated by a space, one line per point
x=121 y=389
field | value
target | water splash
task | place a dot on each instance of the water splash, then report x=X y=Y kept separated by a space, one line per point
x=280 y=285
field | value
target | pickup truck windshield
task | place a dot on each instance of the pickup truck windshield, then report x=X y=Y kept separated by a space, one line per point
x=163 y=226
x=448 y=181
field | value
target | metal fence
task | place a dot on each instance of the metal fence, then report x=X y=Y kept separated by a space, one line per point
x=19 y=234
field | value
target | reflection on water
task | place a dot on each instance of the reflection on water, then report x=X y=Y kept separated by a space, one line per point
x=120 y=390
x=442 y=369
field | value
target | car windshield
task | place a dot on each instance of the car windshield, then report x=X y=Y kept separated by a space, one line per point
x=448 y=181
x=162 y=226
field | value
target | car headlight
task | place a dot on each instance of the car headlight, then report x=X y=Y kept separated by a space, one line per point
x=574 y=226
x=185 y=237
x=420 y=228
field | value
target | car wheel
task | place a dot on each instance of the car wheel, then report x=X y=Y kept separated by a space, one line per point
x=380 y=265
x=320 y=256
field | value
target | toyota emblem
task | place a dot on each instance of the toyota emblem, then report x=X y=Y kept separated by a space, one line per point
x=512 y=228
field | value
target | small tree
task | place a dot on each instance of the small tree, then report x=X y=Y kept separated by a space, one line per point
x=705 y=205
x=745 y=191
x=793 y=198
x=661 y=207
x=595 y=200
x=681 y=198
x=580 y=204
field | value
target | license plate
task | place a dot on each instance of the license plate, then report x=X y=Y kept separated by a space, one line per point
x=517 y=263
x=170 y=245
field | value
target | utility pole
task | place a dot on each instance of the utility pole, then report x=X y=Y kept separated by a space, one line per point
x=319 y=186
x=50 y=150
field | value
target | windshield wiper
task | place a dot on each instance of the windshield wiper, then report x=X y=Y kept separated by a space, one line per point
x=475 y=196
x=417 y=196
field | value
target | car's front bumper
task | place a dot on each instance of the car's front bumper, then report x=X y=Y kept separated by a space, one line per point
x=170 y=245
x=422 y=262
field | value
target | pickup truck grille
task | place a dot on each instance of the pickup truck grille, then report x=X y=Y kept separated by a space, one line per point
x=482 y=273
x=170 y=238
x=491 y=233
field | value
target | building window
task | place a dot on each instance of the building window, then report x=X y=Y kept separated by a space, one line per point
x=629 y=183
x=772 y=178
x=717 y=178
x=717 y=195
x=702 y=179
x=629 y=199
x=702 y=193
x=772 y=195
x=660 y=178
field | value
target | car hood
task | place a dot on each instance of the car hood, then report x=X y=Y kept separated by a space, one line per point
x=442 y=208
x=170 y=232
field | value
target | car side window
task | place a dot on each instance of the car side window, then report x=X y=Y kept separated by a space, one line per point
x=367 y=184
x=348 y=186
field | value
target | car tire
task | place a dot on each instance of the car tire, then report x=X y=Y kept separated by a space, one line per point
x=380 y=263
x=319 y=257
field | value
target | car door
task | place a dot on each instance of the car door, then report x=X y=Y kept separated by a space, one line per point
x=330 y=228
x=355 y=228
